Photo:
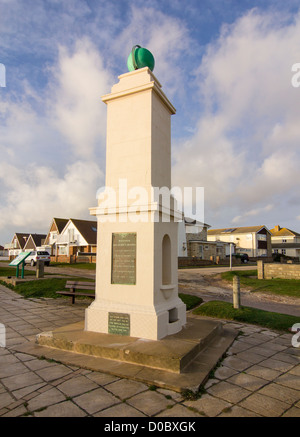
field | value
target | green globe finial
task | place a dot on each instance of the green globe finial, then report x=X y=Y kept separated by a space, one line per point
x=140 y=58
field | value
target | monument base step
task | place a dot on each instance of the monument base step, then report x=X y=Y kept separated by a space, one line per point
x=178 y=362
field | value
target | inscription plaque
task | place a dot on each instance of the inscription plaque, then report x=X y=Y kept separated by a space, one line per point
x=123 y=269
x=119 y=323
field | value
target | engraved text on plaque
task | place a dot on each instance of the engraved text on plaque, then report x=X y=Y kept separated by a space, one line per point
x=123 y=269
x=119 y=323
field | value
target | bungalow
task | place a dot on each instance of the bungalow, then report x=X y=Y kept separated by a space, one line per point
x=17 y=244
x=34 y=242
x=77 y=237
x=192 y=241
x=56 y=228
x=3 y=251
x=253 y=240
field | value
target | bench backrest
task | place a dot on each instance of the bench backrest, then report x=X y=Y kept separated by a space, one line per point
x=81 y=285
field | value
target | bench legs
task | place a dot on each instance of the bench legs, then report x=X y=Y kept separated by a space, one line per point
x=73 y=297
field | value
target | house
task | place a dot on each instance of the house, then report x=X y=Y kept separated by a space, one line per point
x=3 y=251
x=253 y=240
x=17 y=244
x=56 y=228
x=77 y=237
x=34 y=242
x=192 y=241
x=285 y=241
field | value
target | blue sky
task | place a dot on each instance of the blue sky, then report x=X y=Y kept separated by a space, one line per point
x=224 y=64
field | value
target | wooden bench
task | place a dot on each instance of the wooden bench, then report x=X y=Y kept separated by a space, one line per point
x=77 y=285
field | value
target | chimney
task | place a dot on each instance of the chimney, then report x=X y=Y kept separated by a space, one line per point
x=277 y=228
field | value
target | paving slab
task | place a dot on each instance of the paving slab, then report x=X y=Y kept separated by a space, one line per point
x=16 y=412
x=264 y=405
x=295 y=370
x=49 y=397
x=236 y=363
x=281 y=366
x=237 y=411
x=263 y=372
x=125 y=389
x=208 y=405
x=228 y=392
x=76 y=386
x=292 y=412
x=63 y=409
x=278 y=391
x=120 y=410
x=95 y=400
x=178 y=411
x=247 y=381
x=289 y=380
x=151 y=404
x=16 y=382
x=225 y=372
x=53 y=372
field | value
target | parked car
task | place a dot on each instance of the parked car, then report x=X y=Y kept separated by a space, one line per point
x=38 y=255
x=242 y=256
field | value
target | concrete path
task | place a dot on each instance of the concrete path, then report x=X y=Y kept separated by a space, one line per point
x=259 y=377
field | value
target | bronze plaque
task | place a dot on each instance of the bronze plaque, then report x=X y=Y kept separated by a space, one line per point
x=123 y=269
x=119 y=323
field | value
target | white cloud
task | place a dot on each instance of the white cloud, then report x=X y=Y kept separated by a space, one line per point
x=52 y=143
x=245 y=151
x=35 y=194
x=252 y=213
x=79 y=114
x=166 y=37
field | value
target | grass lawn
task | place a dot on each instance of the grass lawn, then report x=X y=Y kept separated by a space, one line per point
x=190 y=300
x=44 y=287
x=267 y=319
x=284 y=287
x=11 y=271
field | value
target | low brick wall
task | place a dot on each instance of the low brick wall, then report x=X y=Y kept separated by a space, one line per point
x=73 y=259
x=186 y=261
x=277 y=270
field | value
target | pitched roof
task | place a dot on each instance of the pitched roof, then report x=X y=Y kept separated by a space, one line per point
x=192 y=222
x=22 y=238
x=88 y=229
x=60 y=223
x=38 y=239
x=283 y=232
x=238 y=230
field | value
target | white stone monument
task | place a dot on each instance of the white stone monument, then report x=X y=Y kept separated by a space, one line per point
x=136 y=273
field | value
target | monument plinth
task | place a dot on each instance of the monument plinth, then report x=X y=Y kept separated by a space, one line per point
x=136 y=273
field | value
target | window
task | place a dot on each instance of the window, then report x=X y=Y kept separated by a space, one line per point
x=275 y=250
x=284 y=240
x=283 y=251
x=262 y=237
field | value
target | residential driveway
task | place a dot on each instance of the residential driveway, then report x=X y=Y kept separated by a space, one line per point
x=260 y=375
